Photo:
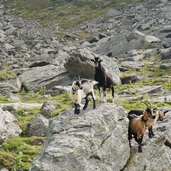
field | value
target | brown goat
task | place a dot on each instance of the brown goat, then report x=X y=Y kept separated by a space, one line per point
x=138 y=125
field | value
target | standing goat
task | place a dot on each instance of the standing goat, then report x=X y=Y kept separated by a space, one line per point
x=159 y=115
x=103 y=77
x=82 y=89
x=138 y=125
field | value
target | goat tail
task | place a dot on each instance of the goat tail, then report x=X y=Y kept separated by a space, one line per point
x=94 y=82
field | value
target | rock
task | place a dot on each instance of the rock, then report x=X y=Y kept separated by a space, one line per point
x=165 y=66
x=148 y=89
x=38 y=64
x=162 y=99
x=131 y=78
x=47 y=108
x=10 y=109
x=87 y=142
x=38 y=126
x=8 y=126
x=4 y=169
x=166 y=29
x=131 y=65
x=56 y=90
x=80 y=64
x=13 y=98
x=113 y=13
x=132 y=52
x=45 y=76
x=6 y=89
x=165 y=53
x=19 y=105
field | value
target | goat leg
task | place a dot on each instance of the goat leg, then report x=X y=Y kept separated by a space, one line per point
x=86 y=103
x=112 y=94
x=129 y=137
x=139 y=144
x=150 y=132
x=94 y=102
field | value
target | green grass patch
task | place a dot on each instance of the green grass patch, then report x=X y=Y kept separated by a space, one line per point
x=3 y=99
x=17 y=153
x=24 y=117
x=6 y=74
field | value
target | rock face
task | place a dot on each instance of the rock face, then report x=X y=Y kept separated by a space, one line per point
x=93 y=140
x=79 y=64
x=8 y=127
x=97 y=140
x=47 y=76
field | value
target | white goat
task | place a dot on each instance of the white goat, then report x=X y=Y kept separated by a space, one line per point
x=82 y=89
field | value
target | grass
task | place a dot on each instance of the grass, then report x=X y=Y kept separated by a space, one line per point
x=6 y=74
x=18 y=152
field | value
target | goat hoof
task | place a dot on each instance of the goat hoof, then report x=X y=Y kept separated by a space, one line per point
x=77 y=112
x=151 y=136
x=140 y=150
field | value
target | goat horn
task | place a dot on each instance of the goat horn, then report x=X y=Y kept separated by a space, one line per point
x=150 y=104
x=146 y=104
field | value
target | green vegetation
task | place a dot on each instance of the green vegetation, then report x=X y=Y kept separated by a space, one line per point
x=18 y=152
x=153 y=75
x=3 y=99
x=6 y=74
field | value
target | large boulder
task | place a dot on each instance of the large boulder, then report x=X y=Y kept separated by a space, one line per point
x=79 y=64
x=8 y=126
x=48 y=76
x=93 y=140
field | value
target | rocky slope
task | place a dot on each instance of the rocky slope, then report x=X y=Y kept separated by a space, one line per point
x=97 y=140
x=134 y=43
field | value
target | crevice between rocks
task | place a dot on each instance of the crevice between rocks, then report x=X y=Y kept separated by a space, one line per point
x=167 y=143
x=129 y=160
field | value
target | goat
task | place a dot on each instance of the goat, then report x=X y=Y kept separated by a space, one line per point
x=82 y=89
x=159 y=115
x=138 y=125
x=103 y=77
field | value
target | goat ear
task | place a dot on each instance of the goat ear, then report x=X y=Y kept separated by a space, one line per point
x=92 y=60
x=100 y=61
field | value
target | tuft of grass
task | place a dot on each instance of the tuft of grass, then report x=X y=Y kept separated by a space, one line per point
x=24 y=116
x=6 y=74
x=17 y=153
x=3 y=99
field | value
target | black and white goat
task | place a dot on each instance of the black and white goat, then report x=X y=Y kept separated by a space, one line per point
x=159 y=115
x=82 y=89
x=138 y=125
x=103 y=77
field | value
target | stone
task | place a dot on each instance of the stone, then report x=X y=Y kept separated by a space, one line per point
x=131 y=78
x=8 y=126
x=46 y=76
x=148 y=90
x=38 y=126
x=87 y=142
x=79 y=64
x=47 y=108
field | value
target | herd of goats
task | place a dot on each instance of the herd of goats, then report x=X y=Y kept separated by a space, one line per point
x=139 y=120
